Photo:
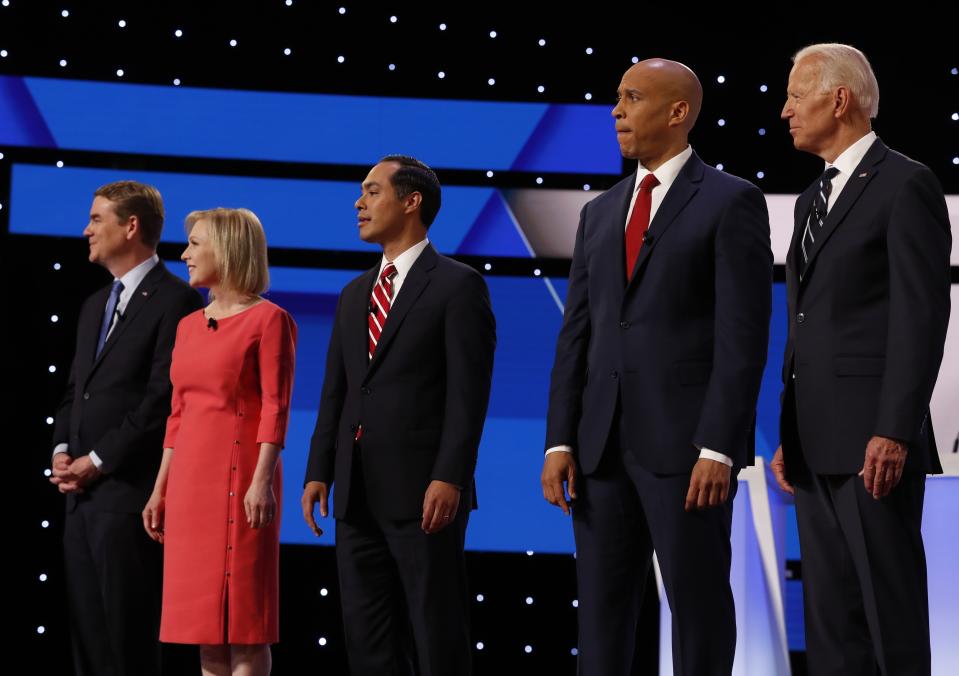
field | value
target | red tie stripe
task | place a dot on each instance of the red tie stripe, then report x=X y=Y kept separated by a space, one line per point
x=380 y=301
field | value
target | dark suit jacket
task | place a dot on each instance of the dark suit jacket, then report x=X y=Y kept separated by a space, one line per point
x=683 y=345
x=118 y=403
x=421 y=400
x=867 y=323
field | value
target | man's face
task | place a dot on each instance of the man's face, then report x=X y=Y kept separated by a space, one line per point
x=809 y=111
x=380 y=213
x=106 y=236
x=641 y=112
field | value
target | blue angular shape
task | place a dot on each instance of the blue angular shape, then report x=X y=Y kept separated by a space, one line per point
x=576 y=136
x=21 y=123
x=494 y=233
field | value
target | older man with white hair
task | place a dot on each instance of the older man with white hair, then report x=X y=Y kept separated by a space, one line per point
x=868 y=289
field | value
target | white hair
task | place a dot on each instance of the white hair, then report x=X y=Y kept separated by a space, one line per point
x=844 y=65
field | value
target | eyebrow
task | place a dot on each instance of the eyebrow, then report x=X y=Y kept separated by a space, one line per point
x=371 y=184
x=628 y=90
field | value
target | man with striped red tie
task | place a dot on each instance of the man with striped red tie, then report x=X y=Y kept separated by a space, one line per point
x=404 y=399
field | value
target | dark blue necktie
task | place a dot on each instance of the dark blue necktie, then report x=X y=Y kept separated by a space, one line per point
x=817 y=217
x=108 y=312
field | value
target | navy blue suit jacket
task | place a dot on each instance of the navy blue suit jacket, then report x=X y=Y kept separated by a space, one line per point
x=682 y=346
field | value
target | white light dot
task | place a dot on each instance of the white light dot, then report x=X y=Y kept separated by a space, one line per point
x=541 y=89
x=59 y=164
x=47 y=472
x=442 y=26
x=1 y=156
x=287 y=51
x=441 y=75
x=955 y=116
x=392 y=66
x=491 y=81
x=65 y=14
x=63 y=63
x=589 y=97
x=324 y=591
x=479 y=645
x=122 y=23
x=721 y=79
x=539 y=180
x=955 y=160
x=119 y=72
x=1 y=207
x=392 y=19
x=43 y=577
x=586 y=186
x=720 y=166
x=721 y=122
x=178 y=33
x=635 y=59
x=342 y=10
x=233 y=43
x=6 y=3
x=542 y=42
x=763 y=88
x=44 y=524
x=529 y=600
x=52 y=368
x=489 y=174
x=954 y=71
x=762 y=131
x=54 y=319
x=176 y=82
x=528 y=649
x=760 y=174
x=340 y=59
x=574 y=652
x=322 y=640
x=49 y=420
x=537 y=272
x=3 y=53
x=479 y=598
x=492 y=34
x=56 y=266
x=589 y=50
x=41 y=629
x=529 y=552
x=488 y=267
x=289 y=3
x=576 y=603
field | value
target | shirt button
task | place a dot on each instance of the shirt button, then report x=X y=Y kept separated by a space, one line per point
x=232 y=494
x=231 y=520
x=86 y=395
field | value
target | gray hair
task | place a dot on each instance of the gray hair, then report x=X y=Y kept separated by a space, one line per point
x=844 y=65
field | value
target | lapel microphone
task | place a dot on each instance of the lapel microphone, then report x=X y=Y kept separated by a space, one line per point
x=211 y=323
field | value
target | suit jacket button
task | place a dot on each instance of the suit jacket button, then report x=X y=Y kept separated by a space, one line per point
x=86 y=395
x=800 y=318
x=624 y=325
x=365 y=390
x=613 y=375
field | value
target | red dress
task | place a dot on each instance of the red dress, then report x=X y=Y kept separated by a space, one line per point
x=231 y=392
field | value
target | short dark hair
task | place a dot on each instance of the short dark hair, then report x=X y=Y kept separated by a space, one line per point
x=415 y=176
x=132 y=198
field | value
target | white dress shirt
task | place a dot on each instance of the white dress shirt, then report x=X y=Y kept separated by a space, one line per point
x=403 y=263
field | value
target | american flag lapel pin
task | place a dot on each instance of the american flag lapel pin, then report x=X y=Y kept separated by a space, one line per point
x=864 y=174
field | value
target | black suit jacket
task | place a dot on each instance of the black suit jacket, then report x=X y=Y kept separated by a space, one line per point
x=682 y=346
x=421 y=400
x=117 y=404
x=867 y=322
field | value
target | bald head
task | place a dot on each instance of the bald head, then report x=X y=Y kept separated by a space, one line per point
x=658 y=103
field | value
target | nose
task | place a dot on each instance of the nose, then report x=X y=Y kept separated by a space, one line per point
x=185 y=255
x=616 y=112
x=87 y=231
x=358 y=204
x=787 y=111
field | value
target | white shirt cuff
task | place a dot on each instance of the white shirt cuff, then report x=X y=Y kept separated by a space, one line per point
x=62 y=448
x=713 y=455
x=99 y=463
x=559 y=449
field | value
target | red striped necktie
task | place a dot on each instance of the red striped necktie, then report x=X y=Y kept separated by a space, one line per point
x=380 y=301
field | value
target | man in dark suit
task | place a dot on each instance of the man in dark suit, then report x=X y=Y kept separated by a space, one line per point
x=654 y=387
x=868 y=288
x=401 y=414
x=108 y=435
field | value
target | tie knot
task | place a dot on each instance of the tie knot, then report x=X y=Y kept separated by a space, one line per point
x=829 y=174
x=649 y=182
x=389 y=272
x=117 y=287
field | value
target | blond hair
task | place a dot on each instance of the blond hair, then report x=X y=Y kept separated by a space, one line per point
x=239 y=247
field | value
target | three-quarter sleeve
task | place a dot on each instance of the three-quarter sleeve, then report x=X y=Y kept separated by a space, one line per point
x=176 y=401
x=276 y=358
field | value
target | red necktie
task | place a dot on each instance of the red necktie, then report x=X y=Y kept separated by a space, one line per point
x=380 y=301
x=639 y=222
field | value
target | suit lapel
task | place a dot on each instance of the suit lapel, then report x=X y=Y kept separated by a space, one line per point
x=141 y=296
x=801 y=215
x=417 y=279
x=89 y=330
x=860 y=178
x=680 y=193
x=615 y=237
x=357 y=333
